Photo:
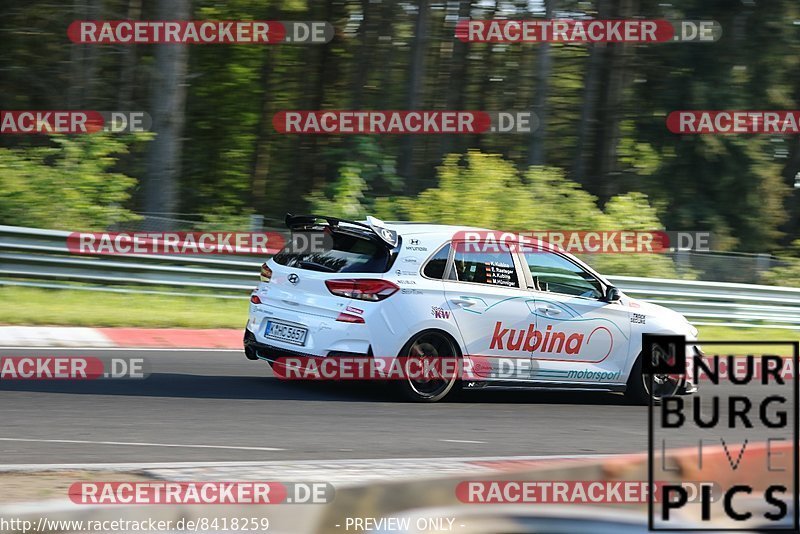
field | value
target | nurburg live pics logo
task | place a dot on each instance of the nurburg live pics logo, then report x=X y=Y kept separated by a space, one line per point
x=742 y=424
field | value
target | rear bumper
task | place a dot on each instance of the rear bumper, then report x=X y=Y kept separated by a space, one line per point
x=261 y=351
x=254 y=350
x=324 y=333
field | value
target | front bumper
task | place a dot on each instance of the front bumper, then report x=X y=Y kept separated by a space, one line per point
x=692 y=351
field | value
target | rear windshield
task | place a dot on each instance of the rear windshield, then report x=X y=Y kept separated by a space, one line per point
x=345 y=253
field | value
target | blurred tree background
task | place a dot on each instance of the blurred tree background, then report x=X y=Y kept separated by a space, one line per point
x=602 y=158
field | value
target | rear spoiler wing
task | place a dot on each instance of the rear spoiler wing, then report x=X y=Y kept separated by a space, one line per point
x=375 y=226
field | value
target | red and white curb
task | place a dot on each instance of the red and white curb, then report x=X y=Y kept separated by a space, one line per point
x=354 y=472
x=336 y=472
x=166 y=338
x=42 y=336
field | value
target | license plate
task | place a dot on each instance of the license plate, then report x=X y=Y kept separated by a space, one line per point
x=295 y=335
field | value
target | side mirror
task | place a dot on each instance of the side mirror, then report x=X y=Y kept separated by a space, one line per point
x=613 y=294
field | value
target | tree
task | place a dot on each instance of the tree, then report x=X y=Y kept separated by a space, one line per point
x=415 y=85
x=69 y=185
x=168 y=99
x=536 y=150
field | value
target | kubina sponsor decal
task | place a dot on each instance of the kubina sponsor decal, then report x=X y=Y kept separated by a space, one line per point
x=532 y=339
x=551 y=341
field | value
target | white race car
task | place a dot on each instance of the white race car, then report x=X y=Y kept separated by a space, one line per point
x=517 y=317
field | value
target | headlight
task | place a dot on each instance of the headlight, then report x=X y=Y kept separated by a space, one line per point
x=692 y=330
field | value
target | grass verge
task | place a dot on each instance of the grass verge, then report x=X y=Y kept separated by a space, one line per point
x=724 y=333
x=35 y=306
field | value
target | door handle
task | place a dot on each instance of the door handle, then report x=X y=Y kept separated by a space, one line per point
x=548 y=310
x=464 y=303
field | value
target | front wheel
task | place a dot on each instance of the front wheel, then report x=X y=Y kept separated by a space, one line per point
x=432 y=348
x=638 y=389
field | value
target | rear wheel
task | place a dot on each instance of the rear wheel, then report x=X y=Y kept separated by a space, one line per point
x=663 y=386
x=431 y=348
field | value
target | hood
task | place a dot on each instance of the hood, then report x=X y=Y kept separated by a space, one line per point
x=666 y=314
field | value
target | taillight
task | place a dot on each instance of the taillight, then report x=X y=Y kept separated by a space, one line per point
x=362 y=289
x=255 y=300
x=266 y=273
x=349 y=318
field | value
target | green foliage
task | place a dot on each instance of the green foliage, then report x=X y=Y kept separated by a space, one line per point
x=486 y=190
x=481 y=192
x=345 y=197
x=226 y=219
x=70 y=186
x=647 y=265
x=632 y=211
x=640 y=156
x=786 y=275
x=352 y=195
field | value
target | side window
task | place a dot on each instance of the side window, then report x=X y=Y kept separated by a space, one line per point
x=556 y=274
x=493 y=268
x=437 y=264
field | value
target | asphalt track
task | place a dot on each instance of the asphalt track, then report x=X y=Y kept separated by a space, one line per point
x=217 y=406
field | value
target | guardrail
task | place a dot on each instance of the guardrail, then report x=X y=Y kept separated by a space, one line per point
x=40 y=258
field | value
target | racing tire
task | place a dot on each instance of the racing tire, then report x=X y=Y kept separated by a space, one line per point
x=638 y=387
x=431 y=344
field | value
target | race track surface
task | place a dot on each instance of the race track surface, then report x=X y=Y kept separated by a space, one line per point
x=217 y=406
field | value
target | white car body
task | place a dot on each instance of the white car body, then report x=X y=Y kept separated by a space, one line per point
x=488 y=322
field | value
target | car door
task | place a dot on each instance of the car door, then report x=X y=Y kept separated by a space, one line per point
x=582 y=338
x=486 y=296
